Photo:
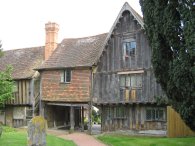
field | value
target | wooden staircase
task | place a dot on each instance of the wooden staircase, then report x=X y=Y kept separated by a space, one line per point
x=34 y=110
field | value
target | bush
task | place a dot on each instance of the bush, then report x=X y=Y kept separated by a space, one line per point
x=85 y=123
x=8 y=129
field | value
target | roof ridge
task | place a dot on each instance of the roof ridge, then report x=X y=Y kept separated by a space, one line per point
x=23 y=48
x=84 y=37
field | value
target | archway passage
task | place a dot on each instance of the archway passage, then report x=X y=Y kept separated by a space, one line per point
x=66 y=116
x=96 y=120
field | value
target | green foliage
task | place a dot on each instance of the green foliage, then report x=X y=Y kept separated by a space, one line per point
x=96 y=116
x=6 y=84
x=121 y=140
x=170 y=27
x=85 y=123
x=8 y=129
x=1 y=52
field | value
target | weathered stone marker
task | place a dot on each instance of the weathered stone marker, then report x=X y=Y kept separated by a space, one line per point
x=37 y=131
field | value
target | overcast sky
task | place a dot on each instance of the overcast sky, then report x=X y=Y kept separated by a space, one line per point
x=22 y=22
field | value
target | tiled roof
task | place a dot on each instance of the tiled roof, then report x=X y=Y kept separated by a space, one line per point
x=23 y=61
x=78 y=52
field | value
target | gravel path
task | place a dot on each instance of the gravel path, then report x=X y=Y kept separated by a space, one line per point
x=80 y=139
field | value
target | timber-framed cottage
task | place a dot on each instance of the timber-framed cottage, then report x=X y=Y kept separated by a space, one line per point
x=66 y=77
x=25 y=102
x=112 y=71
x=124 y=84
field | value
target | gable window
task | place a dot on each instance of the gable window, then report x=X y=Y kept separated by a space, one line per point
x=66 y=76
x=155 y=114
x=129 y=48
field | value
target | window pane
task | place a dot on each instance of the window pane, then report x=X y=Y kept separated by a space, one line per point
x=128 y=48
x=160 y=113
x=133 y=45
x=68 y=75
x=128 y=79
x=153 y=114
x=133 y=81
x=148 y=115
x=122 y=81
x=139 y=81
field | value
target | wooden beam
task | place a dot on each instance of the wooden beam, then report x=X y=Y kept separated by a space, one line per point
x=68 y=104
x=72 y=118
x=82 y=119
x=131 y=72
x=24 y=91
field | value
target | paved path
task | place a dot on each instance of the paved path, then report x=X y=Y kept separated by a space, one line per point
x=80 y=139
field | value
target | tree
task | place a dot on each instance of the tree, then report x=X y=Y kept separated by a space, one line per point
x=170 y=28
x=96 y=116
x=1 y=53
x=6 y=83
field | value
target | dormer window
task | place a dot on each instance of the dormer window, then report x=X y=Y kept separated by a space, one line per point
x=66 y=76
x=129 y=48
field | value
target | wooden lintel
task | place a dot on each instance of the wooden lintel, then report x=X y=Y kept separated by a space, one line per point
x=68 y=104
x=131 y=72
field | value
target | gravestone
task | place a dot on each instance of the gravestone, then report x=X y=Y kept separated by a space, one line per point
x=37 y=131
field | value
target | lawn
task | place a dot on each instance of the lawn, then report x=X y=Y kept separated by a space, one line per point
x=19 y=138
x=119 y=140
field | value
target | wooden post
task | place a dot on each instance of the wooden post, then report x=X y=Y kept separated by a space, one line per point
x=40 y=97
x=32 y=98
x=54 y=115
x=82 y=119
x=90 y=102
x=90 y=118
x=71 y=118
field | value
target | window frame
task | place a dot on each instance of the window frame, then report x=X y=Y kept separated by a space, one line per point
x=156 y=116
x=119 y=112
x=130 y=50
x=64 y=76
x=128 y=78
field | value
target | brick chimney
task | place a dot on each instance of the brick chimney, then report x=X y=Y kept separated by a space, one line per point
x=51 y=43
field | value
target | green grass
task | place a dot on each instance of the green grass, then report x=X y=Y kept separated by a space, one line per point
x=19 y=138
x=121 y=140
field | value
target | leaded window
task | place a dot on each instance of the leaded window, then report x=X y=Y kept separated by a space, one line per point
x=155 y=114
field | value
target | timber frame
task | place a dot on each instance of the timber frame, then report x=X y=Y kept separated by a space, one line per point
x=124 y=85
